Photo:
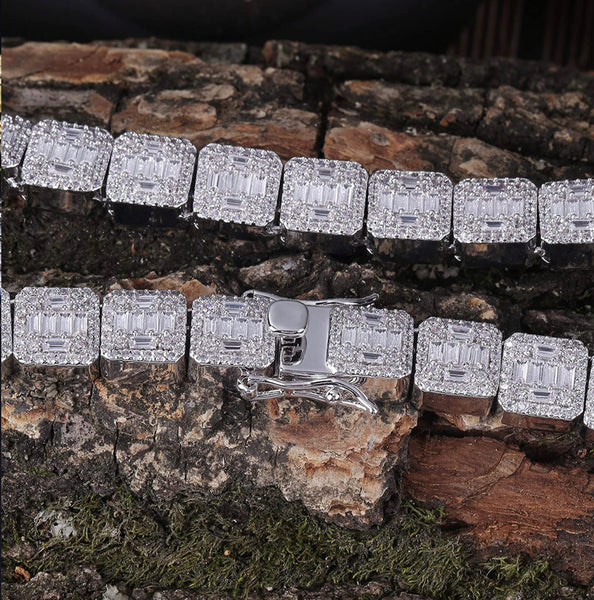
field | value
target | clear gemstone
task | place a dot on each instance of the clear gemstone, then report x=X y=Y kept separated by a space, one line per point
x=67 y=156
x=231 y=331
x=15 y=137
x=237 y=185
x=370 y=342
x=499 y=210
x=458 y=358
x=144 y=326
x=409 y=205
x=566 y=211
x=151 y=170
x=323 y=196
x=56 y=326
x=543 y=376
x=6 y=321
x=589 y=412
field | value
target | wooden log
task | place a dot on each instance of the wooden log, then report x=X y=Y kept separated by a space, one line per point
x=504 y=488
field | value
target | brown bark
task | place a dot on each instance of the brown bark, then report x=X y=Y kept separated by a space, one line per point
x=504 y=488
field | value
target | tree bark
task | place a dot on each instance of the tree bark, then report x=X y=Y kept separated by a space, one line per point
x=501 y=487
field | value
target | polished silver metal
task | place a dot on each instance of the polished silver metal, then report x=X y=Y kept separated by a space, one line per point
x=308 y=338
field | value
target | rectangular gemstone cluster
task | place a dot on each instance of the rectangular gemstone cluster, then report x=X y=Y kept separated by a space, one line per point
x=323 y=196
x=458 y=358
x=67 y=156
x=56 y=326
x=237 y=185
x=543 y=376
x=411 y=205
x=231 y=331
x=6 y=322
x=144 y=326
x=567 y=212
x=151 y=170
x=370 y=342
x=15 y=137
x=499 y=210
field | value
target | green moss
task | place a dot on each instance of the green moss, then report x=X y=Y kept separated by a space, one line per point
x=245 y=541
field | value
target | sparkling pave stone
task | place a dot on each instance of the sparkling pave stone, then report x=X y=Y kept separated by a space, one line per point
x=237 y=185
x=144 y=326
x=498 y=210
x=56 y=326
x=589 y=412
x=543 y=376
x=323 y=196
x=370 y=342
x=411 y=205
x=66 y=156
x=151 y=170
x=567 y=212
x=458 y=358
x=6 y=337
x=231 y=331
x=15 y=137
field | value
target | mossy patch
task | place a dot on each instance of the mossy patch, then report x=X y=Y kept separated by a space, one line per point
x=247 y=541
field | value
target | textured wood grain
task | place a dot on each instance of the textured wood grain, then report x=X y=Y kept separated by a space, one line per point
x=506 y=489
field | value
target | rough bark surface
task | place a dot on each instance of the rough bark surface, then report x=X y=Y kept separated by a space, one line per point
x=502 y=488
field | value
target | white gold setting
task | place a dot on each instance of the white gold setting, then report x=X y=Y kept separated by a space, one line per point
x=323 y=196
x=498 y=210
x=231 y=331
x=6 y=336
x=411 y=205
x=67 y=156
x=237 y=185
x=458 y=358
x=567 y=212
x=56 y=326
x=543 y=376
x=144 y=326
x=370 y=342
x=151 y=170
x=16 y=132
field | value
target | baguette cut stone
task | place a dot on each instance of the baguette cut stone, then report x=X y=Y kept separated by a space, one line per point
x=589 y=412
x=144 y=326
x=543 y=376
x=567 y=211
x=323 y=196
x=151 y=170
x=231 y=331
x=412 y=205
x=370 y=342
x=16 y=132
x=56 y=326
x=6 y=322
x=499 y=210
x=237 y=185
x=458 y=358
x=67 y=156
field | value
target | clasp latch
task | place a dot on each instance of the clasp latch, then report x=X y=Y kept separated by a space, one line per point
x=301 y=329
